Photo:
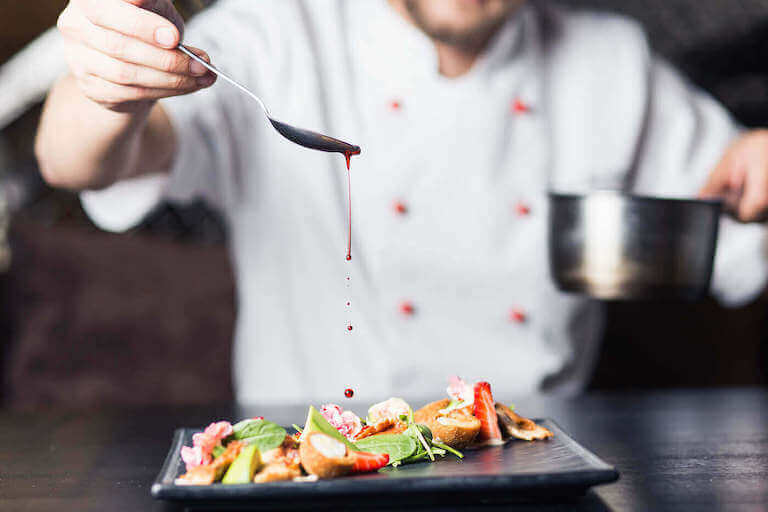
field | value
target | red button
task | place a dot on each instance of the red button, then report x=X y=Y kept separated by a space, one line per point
x=395 y=105
x=407 y=308
x=522 y=209
x=400 y=207
x=520 y=107
x=517 y=315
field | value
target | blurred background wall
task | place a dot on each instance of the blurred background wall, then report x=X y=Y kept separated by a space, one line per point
x=89 y=318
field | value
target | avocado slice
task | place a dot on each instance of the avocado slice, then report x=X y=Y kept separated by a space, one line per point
x=316 y=423
x=242 y=469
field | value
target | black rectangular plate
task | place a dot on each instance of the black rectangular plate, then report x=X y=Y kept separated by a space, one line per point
x=517 y=471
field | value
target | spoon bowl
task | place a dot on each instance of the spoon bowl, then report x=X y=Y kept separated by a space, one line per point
x=313 y=140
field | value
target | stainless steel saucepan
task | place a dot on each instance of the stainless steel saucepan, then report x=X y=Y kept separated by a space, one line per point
x=612 y=245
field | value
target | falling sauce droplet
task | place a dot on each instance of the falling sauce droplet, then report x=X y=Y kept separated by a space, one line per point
x=349 y=327
x=349 y=304
x=349 y=393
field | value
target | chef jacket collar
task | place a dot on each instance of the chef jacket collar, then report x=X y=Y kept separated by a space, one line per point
x=402 y=56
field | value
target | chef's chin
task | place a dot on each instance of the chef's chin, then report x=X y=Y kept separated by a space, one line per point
x=467 y=24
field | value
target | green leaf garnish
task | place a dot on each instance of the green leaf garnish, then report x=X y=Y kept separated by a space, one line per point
x=414 y=430
x=266 y=435
x=449 y=449
x=398 y=446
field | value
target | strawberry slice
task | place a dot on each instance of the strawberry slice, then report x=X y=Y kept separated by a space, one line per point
x=366 y=462
x=484 y=410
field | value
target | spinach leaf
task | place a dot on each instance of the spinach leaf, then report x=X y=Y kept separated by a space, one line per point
x=423 y=429
x=398 y=446
x=417 y=433
x=416 y=457
x=266 y=435
x=447 y=449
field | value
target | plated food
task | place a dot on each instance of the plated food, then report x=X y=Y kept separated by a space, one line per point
x=335 y=443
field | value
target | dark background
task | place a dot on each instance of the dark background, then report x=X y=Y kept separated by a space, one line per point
x=89 y=318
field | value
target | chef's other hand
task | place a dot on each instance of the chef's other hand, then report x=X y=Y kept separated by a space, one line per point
x=122 y=52
x=741 y=178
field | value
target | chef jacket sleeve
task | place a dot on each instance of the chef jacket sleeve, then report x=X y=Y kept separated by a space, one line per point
x=210 y=126
x=686 y=134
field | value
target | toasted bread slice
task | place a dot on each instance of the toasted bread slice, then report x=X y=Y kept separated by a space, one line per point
x=457 y=429
x=430 y=411
x=514 y=425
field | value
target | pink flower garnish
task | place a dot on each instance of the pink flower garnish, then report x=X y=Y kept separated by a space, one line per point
x=330 y=410
x=192 y=456
x=346 y=422
x=203 y=444
x=460 y=390
x=219 y=430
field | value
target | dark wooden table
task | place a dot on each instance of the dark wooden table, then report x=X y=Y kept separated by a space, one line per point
x=676 y=450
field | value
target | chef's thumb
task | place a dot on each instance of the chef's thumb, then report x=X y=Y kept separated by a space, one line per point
x=717 y=184
x=753 y=202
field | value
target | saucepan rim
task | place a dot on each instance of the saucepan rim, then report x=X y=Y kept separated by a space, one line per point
x=635 y=197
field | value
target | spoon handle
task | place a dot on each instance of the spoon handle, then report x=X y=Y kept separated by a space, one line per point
x=215 y=70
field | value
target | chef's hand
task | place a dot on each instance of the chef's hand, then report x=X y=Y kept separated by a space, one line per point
x=122 y=54
x=741 y=178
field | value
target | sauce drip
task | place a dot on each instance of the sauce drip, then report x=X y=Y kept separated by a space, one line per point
x=349 y=393
x=349 y=327
x=347 y=156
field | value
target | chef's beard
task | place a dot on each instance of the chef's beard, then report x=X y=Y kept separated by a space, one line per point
x=471 y=38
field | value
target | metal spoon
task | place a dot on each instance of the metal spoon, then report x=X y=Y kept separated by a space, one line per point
x=300 y=136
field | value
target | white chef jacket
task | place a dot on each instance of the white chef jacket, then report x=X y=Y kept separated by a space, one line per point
x=449 y=272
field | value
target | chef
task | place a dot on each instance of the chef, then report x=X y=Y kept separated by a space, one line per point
x=467 y=112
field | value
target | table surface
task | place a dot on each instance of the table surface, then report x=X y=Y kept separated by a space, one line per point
x=675 y=450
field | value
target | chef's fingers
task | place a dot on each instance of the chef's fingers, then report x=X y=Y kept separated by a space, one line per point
x=741 y=177
x=116 y=70
x=753 y=206
x=132 y=50
x=116 y=96
x=164 y=8
x=85 y=60
x=133 y=20
x=76 y=28
x=719 y=180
